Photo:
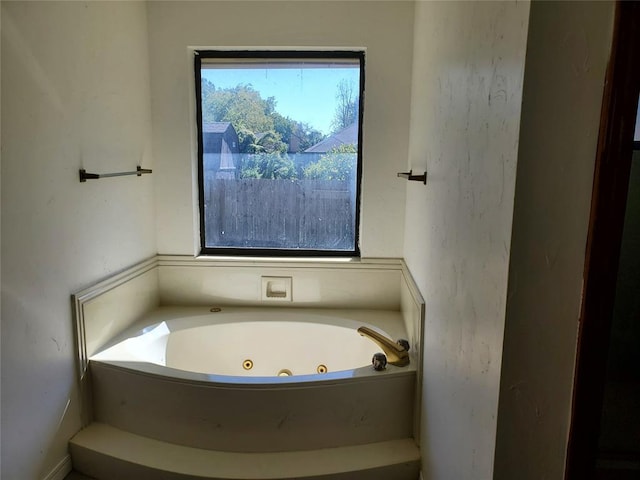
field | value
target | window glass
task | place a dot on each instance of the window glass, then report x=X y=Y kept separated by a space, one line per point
x=279 y=147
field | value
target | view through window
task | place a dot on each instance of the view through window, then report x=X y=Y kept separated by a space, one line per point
x=279 y=146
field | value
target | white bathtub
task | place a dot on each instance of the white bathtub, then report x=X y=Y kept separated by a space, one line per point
x=178 y=377
x=249 y=345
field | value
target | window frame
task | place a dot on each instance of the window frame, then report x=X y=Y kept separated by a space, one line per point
x=354 y=54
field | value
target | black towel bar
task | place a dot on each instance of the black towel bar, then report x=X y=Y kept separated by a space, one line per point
x=410 y=176
x=84 y=176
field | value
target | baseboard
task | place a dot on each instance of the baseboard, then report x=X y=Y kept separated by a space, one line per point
x=61 y=470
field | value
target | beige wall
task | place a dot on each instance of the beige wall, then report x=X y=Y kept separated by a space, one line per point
x=75 y=93
x=567 y=54
x=385 y=29
x=466 y=100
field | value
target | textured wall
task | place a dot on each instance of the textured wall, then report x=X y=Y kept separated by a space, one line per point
x=466 y=100
x=75 y=93
x=568 y=49
x=383 y=27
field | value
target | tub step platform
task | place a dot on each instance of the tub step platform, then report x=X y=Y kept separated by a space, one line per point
x=243 y=417
x=108 y=453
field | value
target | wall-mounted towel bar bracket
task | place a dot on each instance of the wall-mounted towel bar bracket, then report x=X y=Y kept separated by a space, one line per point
x=410 y=176
x=84 y=176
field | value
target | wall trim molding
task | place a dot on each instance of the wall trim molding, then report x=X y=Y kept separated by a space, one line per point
x=61 y=470
x=413 y=309
x=85 y=295
x=78 y=302
x=302 y=262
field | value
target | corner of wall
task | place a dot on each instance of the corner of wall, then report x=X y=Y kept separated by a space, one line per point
x=567 y=54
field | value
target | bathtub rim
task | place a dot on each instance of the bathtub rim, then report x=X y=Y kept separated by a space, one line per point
x=168 y=374
x=376 y=319
x=186 y=317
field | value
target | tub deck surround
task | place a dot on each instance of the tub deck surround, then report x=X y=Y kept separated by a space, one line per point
x=351 y=404
x=321 y=284
x=353 y=284
x=238 y=420
x=184 y=280
x=250 y=418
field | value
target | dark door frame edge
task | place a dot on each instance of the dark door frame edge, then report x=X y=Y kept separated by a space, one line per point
x=611 y=180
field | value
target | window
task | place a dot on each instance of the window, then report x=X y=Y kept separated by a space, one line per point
x=279 y=145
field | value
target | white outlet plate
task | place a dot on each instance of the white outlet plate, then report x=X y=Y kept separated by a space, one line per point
x=277 y=289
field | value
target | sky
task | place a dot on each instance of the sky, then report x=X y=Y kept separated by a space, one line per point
x=303 y=94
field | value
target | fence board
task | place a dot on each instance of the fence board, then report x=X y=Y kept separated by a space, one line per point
x=288 y=214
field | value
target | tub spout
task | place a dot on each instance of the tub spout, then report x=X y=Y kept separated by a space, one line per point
x=397 y=354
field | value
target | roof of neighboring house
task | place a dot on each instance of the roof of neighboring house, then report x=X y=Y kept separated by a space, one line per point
x=346 y=136
x=215 y=127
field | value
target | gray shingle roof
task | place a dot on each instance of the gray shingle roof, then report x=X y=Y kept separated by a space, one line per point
x=215 y=127
x=347 y=136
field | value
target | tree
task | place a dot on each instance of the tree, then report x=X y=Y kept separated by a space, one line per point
x=259 y=126
x=347 y=106
x=308 y=135
x=339 y=163
x=268 y=166
x=241 y=105
x=271 y=142
x=208 y=109
x=298 y=135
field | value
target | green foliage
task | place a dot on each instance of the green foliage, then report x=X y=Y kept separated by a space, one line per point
x=269 y=142
x=308 y=135
x=260 y=128
x=337 y=164
x=208 y=107
x=248 y=141
x=299 y=135
x=268 y=166
x=241 y=105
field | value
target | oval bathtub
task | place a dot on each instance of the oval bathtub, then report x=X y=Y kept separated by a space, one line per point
x=253 y=345
x=182 y=376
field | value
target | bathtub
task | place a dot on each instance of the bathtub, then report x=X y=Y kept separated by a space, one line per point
x=254 y=380
x=250 y=345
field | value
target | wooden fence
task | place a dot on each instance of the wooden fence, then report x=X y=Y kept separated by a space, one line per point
x=287 y=214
